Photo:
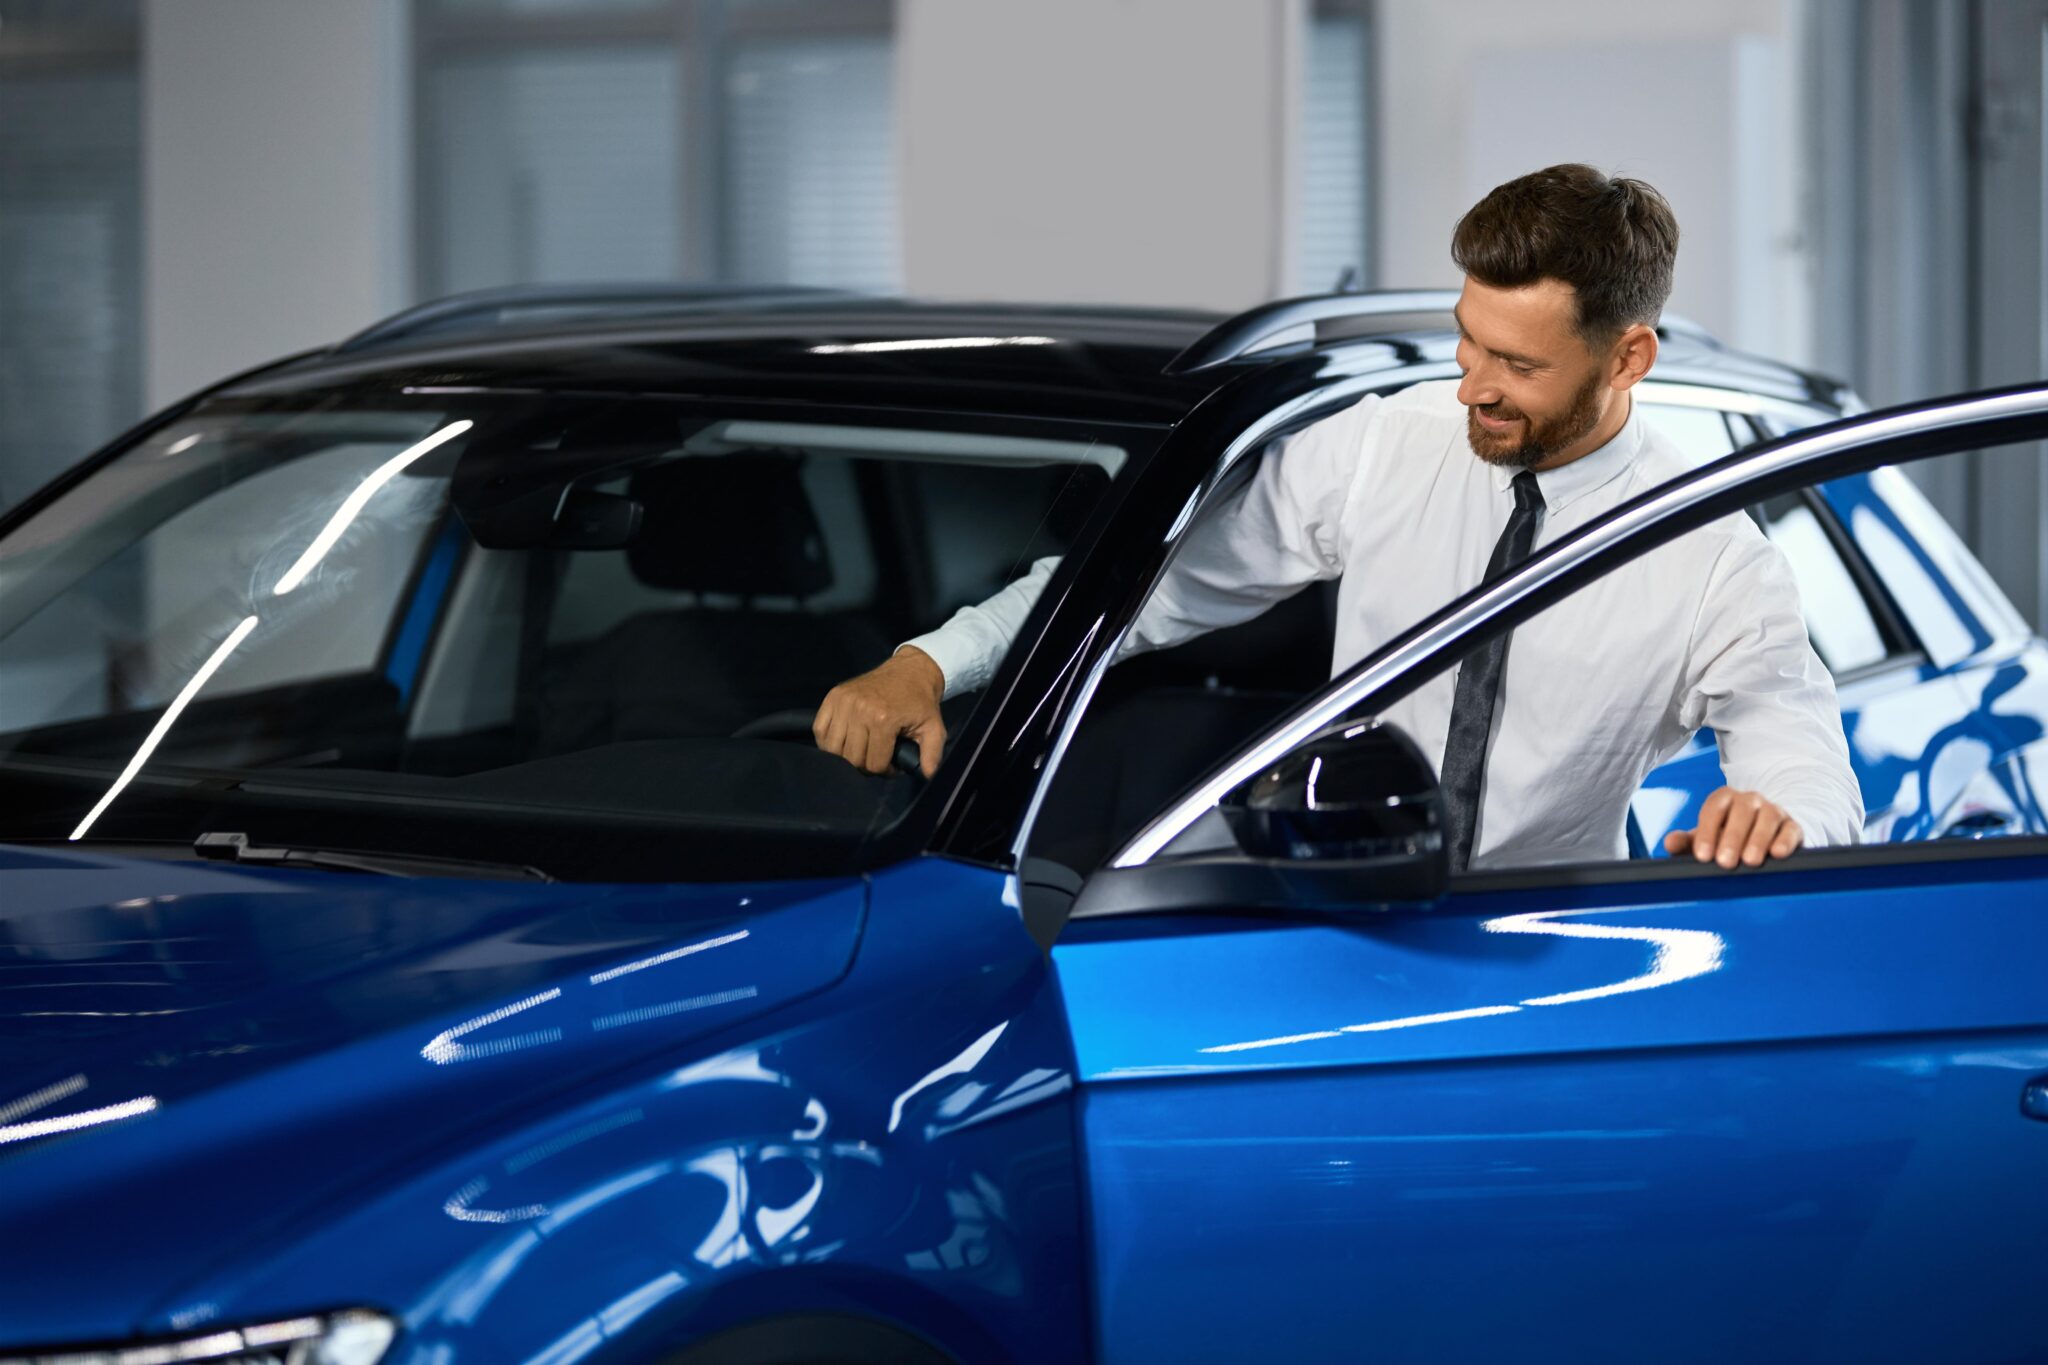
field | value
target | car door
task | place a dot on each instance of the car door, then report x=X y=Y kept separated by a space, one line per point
x=1625 y=1111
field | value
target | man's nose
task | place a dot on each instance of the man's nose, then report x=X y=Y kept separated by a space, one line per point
x=1475 y=392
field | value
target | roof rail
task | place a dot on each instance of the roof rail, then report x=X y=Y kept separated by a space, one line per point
x=483 y=309
x=1246 y=332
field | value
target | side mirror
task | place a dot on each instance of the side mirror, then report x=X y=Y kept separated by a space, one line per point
x=1361 y=797
x=1350 y=823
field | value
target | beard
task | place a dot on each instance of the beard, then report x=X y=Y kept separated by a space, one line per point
x=1540 y=439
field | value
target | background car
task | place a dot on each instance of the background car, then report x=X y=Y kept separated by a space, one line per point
x=432 y=930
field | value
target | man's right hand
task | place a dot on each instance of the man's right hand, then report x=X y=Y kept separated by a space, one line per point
x=861 y=719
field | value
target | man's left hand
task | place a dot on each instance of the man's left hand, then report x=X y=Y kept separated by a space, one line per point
x=1737 y=826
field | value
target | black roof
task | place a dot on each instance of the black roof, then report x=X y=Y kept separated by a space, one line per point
x=1098 y=364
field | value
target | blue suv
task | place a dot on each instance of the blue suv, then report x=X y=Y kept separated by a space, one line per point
x=429 y=934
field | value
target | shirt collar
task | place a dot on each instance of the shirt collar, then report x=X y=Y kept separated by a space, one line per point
x=1565 y=485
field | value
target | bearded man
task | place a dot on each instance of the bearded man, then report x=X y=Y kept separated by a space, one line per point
x=1411 y=500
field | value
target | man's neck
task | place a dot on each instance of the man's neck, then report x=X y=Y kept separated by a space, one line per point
x=1609 y=427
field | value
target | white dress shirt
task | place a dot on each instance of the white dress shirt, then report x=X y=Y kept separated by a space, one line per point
x=1388 y=498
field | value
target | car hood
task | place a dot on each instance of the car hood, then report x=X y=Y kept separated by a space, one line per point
x=193 y=1055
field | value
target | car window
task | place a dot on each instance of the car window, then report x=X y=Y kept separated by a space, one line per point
x=121 y=636
x=1702 y=434
x=1839 y=619
x=617 y=609
x=1598 y=692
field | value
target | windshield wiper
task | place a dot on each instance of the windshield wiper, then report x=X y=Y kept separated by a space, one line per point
x=236 y=848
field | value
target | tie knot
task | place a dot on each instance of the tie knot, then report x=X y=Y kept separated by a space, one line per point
x=1528 y=497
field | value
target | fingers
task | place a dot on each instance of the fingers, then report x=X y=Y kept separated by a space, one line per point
x=878 y=747
x=828 y=727
x=1712 y=816
x=861 y=719
x=1742 y=809
x=1738 y=827
x=841 y=729
x=1763 y=834
x=931 y=743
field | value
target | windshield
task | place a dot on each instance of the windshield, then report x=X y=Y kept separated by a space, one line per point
x=582 y=633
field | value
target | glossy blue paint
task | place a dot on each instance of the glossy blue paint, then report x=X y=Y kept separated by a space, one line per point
x=543 y=1118
x=1940 y=741
x=1669 y=1121
x=1777 y=1114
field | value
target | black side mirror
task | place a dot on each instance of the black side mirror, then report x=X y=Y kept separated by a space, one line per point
x=1350 y=823
x=1363 y=796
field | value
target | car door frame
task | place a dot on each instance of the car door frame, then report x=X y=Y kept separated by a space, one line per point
x=1152 y=1003
x=1725 y=487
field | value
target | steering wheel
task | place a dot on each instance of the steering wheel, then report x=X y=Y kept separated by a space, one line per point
x=795 y=726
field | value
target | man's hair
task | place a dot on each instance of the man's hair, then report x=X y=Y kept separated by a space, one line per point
x=1612 y=241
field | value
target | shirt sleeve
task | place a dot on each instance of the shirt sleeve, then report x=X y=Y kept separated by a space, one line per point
x=1282 y=531
x=1753 y=676
x=1278 y=533
x=974 y=639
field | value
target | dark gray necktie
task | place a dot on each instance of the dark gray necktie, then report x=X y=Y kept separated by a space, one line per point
x=1478 y=691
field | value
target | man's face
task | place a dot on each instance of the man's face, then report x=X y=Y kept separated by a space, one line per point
x=1532 y=386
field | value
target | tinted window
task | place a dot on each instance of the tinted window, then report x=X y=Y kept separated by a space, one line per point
x=443 y=628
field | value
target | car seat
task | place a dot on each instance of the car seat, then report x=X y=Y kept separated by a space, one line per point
x=739 y=528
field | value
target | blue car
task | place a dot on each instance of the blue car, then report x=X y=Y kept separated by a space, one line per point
x=429 y=933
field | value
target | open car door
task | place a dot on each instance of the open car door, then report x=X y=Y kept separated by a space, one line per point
x=1336 y=1104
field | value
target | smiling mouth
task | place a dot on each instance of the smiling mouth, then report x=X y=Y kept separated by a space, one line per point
x=1494 y=423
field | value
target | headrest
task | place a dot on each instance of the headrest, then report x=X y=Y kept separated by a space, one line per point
x=739 y=524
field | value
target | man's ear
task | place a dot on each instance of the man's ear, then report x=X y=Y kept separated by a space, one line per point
x=1635 y=351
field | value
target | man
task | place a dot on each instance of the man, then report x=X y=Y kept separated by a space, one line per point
x=1414 y=499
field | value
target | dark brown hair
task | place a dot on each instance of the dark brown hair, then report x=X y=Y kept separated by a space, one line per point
x=1612 y=241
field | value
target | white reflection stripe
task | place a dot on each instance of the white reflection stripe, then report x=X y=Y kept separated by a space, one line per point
x=165 y=722
x=928 y=344
x=442 y=1047
x=64 y=1123
x=353 y=504
x=1316 y=1036
x=965 y=1062
x=36 y=1099
x=1415 y=1020
x=644 y=963
x=274 y=1333
x=1377 y=1026
x=1681 y=953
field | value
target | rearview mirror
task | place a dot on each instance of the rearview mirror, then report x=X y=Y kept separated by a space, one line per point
x=1351 y=822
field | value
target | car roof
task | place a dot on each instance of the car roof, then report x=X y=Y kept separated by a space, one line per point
x=1085 y=363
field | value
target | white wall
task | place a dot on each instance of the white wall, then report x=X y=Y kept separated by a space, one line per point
x=1127 y=151
x=1131 y=151
x=1700 y=100
x=276 y=162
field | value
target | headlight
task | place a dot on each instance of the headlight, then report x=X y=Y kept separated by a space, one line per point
x=356 y=1337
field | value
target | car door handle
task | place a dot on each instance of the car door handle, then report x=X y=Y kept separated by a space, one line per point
x=2034 y=1099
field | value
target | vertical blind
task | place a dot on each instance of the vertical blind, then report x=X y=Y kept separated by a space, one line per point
x=1331 y=216
x=810 y=162
x=563 y=144
x=70 y=147
x=555 y=167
